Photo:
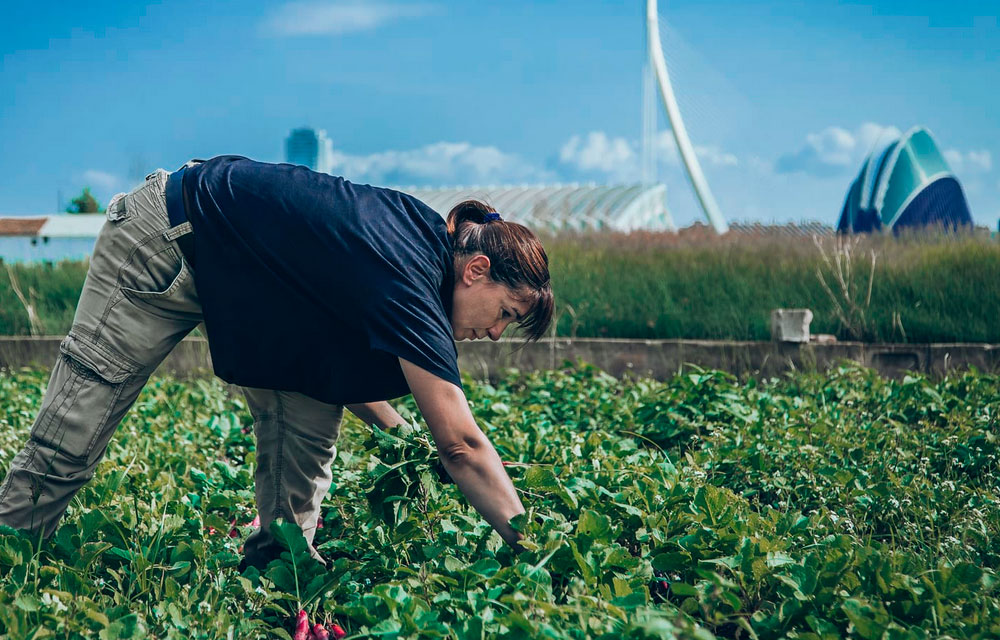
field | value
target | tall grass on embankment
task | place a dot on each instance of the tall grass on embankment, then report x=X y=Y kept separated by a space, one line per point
x=929 y=288
x=919 y=288
x=39 y=299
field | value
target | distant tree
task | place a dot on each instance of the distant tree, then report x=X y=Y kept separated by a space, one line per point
x=84 y=203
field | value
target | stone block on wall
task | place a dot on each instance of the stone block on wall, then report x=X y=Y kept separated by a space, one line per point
x=790 y=325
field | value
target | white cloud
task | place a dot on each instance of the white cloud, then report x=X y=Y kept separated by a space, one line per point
x=598 y=153
x=437 y=164
x=715 y=156
x=335 y=18
x=833 y=145
x=617 y=159
x=100 y=180
x=980 y=161
x=592 y=156
x=836 y=150
x=871 y=135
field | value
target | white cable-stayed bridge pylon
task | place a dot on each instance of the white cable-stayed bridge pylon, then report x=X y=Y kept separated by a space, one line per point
x=684 y=146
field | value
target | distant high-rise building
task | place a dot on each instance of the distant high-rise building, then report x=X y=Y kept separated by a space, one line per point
x=310 y=147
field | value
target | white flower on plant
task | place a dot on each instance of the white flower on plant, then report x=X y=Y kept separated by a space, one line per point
x=53 y=601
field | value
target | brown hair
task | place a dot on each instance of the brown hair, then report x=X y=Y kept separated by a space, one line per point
x=517 y=258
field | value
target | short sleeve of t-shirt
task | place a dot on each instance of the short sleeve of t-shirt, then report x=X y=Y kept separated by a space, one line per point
x=407 y=324
x=404 y=285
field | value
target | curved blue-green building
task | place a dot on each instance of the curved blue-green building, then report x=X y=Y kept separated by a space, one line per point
x=907 y=184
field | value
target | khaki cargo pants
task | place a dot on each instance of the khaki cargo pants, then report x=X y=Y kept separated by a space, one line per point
x=138 y=301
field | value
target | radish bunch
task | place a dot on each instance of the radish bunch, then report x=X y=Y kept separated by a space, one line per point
x=303 y=631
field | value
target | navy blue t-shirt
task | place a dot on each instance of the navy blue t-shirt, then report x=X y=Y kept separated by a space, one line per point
x=311 y=283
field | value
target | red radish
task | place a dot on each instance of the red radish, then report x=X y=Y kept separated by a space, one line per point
x=301 y=626
x=256 y=521
x=336 y=632
x=319 y=632
x=505 y=463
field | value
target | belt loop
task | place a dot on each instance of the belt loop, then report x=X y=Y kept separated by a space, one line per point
x=176 y=232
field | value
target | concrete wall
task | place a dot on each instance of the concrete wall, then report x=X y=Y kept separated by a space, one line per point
x=664 y=358
x=654 y=358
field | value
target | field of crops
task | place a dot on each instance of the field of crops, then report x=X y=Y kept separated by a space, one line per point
x=813 y=507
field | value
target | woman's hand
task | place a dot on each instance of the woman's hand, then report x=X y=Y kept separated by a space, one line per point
x=467 y=454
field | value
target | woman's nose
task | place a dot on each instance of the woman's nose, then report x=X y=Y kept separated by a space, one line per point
x=496 y=330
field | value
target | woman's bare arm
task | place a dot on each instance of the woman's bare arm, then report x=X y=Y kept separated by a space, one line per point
x=378 y=413
x=467 y=454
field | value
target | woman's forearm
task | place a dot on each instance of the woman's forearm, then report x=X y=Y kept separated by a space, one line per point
x=475 y=467
x=466 y=452
x=478 y=472
x=380 y=414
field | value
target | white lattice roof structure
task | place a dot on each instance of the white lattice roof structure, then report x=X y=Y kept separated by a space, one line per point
x=564 y=206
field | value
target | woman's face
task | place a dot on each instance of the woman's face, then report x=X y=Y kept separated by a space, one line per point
x=480 y=307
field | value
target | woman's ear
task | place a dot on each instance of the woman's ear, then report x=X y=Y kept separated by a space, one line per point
x=475 y=268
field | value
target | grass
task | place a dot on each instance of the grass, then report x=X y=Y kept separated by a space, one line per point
x=924 y=288
x=52 y=290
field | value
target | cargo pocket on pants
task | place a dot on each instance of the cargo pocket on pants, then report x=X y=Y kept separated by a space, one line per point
x=83 y=393
x=163 y=284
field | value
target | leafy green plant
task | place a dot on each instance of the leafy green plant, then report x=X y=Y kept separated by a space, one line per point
x=810 y=506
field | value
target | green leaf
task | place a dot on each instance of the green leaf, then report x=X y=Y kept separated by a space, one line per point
x=868 y=621
x=778 y=559
x=967 y=573
x=595 y=525
x=672 y=562
x=683 y=589
x=539 y=478
x=282 y=577
x=289 y=536
x=486 y=567
x=26 y=602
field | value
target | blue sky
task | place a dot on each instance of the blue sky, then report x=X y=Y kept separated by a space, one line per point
x=783 y=99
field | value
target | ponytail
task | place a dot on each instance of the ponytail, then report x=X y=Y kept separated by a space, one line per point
x=472 y=211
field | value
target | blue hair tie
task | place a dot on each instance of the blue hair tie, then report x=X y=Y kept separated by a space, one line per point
x=493 y=217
